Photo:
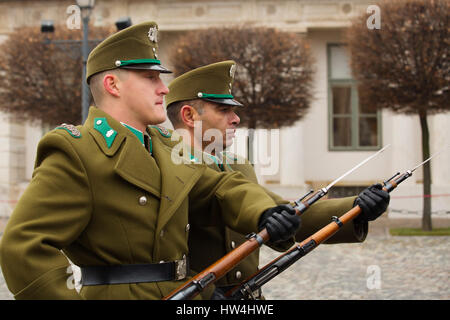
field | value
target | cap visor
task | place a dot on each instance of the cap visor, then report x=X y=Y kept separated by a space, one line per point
x=148 y=66
x=230 y=102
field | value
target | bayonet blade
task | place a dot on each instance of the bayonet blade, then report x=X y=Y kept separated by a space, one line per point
x=356 y=167
x=434 y=155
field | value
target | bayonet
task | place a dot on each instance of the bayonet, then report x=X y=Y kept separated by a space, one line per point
x=422 y=163
x=217 y=270
x=303 y=205
x=392 y=184
x=356 y=167
x=251 y=285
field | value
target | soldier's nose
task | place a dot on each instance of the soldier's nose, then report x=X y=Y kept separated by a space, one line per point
x=235 y=120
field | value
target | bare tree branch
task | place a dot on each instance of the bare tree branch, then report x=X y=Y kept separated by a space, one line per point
x=42 y=81
x=274 y=74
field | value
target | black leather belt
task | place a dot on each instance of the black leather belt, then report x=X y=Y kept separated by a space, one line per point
x=134 y=273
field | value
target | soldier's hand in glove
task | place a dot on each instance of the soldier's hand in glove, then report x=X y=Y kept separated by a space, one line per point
x=281 y=222
x=373 y=201
x=218 y=294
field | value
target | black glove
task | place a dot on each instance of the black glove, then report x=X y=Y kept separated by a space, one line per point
x=373 y=201
x=281 y=222
x=218 y=294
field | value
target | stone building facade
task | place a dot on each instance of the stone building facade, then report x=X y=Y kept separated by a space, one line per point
x=306 y=155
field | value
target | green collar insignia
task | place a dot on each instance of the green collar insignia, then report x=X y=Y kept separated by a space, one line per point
x=108 y=133
x=163 y=131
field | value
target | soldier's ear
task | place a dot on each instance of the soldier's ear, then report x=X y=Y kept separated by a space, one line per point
x=188 y=115
x=110 y=83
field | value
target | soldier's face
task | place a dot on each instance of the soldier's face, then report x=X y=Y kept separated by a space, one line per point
x=143 y=93
x=219 y=117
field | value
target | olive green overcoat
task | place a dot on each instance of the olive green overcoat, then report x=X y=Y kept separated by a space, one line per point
x=102 y=199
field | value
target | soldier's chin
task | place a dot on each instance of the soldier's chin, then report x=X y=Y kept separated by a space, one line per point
x=228 y=143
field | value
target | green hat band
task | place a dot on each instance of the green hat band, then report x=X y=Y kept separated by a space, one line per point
x=138 y=61
x=217 y=96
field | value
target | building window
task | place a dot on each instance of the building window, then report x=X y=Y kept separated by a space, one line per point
x=351 y=126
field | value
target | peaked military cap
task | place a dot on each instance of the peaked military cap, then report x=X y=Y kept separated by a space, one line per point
x=212 y=82
x=132 y=48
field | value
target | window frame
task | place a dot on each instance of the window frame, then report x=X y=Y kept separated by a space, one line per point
x=354 y=109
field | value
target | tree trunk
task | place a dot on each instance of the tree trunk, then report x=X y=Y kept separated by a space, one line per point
x=251 y=139
x=426 y=217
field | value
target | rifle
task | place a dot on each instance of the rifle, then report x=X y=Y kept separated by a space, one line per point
x=248 y=289
x=198 y=283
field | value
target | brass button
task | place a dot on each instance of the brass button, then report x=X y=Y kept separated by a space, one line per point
x=188 y=227
x=238 y=274
x=233 y=244
x=143 y=200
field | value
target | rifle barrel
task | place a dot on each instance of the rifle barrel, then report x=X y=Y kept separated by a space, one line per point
x=217 y=270
x=281 y=263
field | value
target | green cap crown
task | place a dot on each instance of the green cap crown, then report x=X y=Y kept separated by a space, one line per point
x=212 y=82
x=132 y=48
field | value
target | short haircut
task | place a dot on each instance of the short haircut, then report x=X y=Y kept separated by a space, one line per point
x=173 y=110
x=96 y=83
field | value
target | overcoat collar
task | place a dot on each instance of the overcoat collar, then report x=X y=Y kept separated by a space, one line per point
x=159 y=175
x=134 y=163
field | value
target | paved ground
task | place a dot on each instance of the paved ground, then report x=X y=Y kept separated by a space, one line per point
x=383 y=267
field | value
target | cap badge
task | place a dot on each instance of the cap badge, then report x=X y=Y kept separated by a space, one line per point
x=153 y=34
x=232 y=70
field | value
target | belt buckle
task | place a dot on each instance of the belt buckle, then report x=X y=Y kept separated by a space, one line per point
x=181 y=268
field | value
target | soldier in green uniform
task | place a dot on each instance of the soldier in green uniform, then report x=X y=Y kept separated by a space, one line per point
x=201 y=100
x=110 y=196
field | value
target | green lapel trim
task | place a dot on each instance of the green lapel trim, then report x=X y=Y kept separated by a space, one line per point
x=151 y=144
x=136 y=132
x=108 y=133
x=229 y=157
x=138 y=61
x=216 y=161
x=232 y=157
x=193 y=159
x=140 y=135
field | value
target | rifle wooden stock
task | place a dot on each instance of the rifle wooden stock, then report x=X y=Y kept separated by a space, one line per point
x=221 y=266
x=218 y=269
x=305 y=246
x=330 y=229
x=263 y=275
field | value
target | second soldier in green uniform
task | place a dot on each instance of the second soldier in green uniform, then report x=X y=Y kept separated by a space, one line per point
x=200 y=106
